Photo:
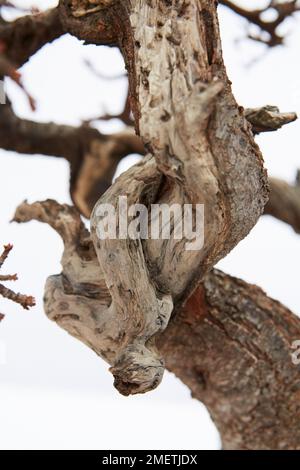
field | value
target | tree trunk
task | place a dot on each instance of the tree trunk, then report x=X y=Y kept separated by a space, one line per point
x=139 y=304
x=232 y=345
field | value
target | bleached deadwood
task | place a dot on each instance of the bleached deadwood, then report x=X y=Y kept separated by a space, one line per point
x=230 y=344
x=201 y=150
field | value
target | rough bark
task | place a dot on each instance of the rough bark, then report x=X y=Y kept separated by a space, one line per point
x=230 y=344
x=99 y=27
x=176 y=94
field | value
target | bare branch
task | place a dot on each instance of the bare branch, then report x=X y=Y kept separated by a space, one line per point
x=93 y=156
x=24 y=300
x=7 y=69
x=283 y=11
x=101 y=75
x=23 y=37
x=5 y=253
x=8 y=277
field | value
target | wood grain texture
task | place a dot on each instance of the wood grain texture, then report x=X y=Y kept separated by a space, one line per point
x=230 y=344
x=201 y=151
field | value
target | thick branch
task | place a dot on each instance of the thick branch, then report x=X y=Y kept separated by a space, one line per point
x=23 y=37
x=230 y=344
x=99 y=26
x=93 y=157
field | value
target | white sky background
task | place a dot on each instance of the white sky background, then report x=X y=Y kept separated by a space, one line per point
x=55 y=393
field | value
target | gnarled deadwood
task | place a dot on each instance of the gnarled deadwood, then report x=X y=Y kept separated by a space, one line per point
x=230 y=344
x=180 y=93
x=176 y=94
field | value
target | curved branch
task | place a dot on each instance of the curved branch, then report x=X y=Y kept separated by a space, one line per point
x=91 y=176
x=179 y=96
x=230 y=344
x=93 y=156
